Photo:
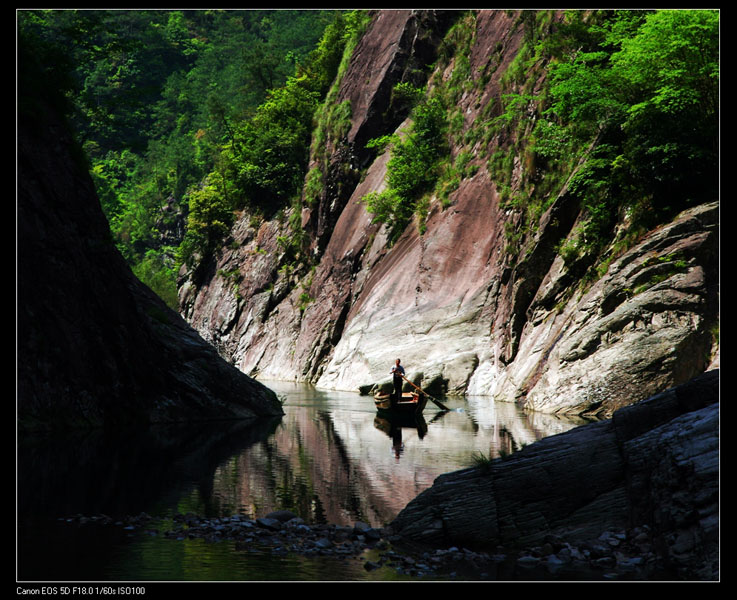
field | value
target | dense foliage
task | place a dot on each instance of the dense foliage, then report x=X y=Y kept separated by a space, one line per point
x=412 y=170
x=643 y=87
x=189 y=116
x=155 y=95
x=629 y=105
x=263 y=163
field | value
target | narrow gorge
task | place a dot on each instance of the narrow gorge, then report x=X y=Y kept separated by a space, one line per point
x=521 y=205
x=474 y=295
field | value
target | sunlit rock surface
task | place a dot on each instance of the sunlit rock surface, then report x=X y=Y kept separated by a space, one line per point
x=645 y=325
x=465 y=315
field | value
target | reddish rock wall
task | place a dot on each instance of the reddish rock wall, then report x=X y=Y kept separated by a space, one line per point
x=465 y=315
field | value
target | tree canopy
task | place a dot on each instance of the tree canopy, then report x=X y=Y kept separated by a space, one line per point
x=645 y=86
x=154 y=97
x=189 y=115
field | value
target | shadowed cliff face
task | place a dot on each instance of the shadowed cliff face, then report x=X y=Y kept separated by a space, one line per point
x=653 y=466
x=95 y=346
x=464 y=314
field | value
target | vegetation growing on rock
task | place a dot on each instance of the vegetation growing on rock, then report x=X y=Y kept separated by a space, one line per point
x=168 y=106
x=624 y=101
x=201 y=106
x=541 y=144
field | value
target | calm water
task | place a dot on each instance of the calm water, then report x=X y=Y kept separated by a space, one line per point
x=330 y=459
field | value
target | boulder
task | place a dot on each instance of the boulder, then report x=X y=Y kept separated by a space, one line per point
x=654 y=466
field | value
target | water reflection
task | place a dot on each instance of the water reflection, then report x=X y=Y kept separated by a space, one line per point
x=330 y=459
x=127 y=472
x=333 y=459
x=507 y=428
x=393 y=426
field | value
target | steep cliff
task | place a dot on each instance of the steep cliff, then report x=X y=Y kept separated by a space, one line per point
x=473 y=298
x=95 y=346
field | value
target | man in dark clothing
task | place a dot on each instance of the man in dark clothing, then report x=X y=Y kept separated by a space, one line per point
x=398 y=373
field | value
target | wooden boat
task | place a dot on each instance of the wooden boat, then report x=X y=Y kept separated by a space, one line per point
x=412 y=403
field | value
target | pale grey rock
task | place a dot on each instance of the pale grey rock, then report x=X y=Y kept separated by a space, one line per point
x=644 y=326
x=465 y=314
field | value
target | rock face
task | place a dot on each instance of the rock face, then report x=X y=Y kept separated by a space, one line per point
x=653 y=466
x=465 y=315
x=258 y=318
x=645 y=325
x=95 y=346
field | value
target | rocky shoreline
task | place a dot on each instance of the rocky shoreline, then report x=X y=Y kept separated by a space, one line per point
x=634 y=498
x=626 y=555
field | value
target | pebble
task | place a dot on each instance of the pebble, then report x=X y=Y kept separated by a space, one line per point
x=528 y=561
x=267 y=523
x=554 y=563
x=614 y=555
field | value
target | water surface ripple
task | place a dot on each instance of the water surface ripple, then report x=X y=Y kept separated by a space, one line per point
x=330 y=459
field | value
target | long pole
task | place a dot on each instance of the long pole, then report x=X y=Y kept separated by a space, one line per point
x=440 y=404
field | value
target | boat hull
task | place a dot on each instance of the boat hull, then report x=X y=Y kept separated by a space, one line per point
x=410 y=404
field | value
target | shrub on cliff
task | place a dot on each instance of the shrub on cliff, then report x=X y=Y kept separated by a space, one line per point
x=413 y=168
x=264 y=160
x=645 y=86
x=267 y=158
x=210 y=217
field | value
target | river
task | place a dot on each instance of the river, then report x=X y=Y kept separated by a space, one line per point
x=330 y=459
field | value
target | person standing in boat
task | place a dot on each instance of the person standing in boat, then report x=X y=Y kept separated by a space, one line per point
x=398 y=374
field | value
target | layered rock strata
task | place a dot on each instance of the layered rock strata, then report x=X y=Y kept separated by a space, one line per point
x=653 y=466
x=645 y=325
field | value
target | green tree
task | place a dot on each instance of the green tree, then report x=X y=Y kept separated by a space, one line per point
x=413 y=169
x=264 y=156
x=268 y=155
x=671 y=69
x=157 y=272
x=154 y=95
x=210 y=216
x=644 y=88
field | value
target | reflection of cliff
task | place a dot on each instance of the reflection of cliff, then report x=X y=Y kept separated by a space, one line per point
x=331 y=460
x=125 y=473
x=323 y=469
x=511 y=428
